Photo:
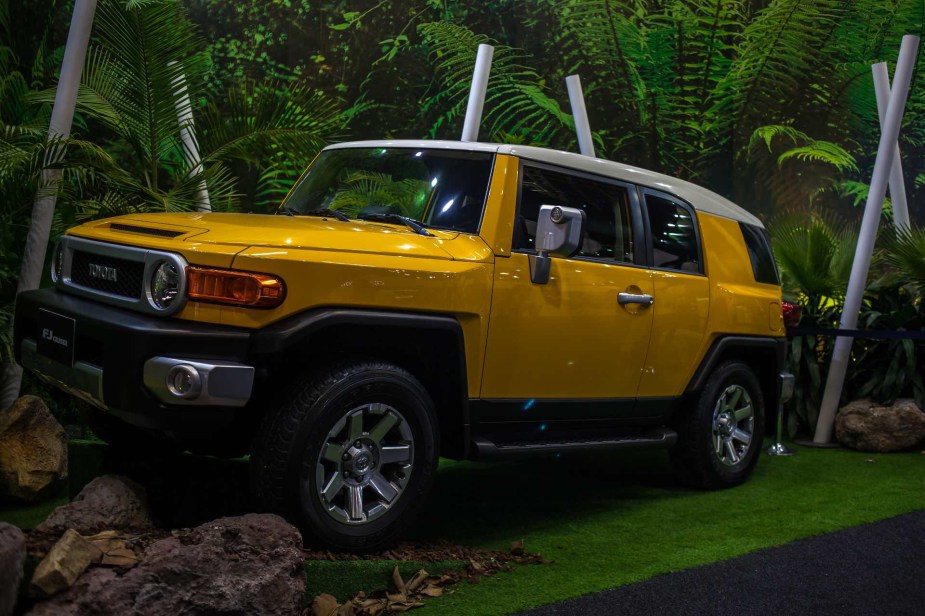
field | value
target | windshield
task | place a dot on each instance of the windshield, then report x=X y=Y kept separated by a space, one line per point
x=444 y=189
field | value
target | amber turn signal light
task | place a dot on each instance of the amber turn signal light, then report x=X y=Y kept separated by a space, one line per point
x=235 y=288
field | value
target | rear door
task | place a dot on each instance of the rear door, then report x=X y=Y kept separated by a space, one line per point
x=682 y=296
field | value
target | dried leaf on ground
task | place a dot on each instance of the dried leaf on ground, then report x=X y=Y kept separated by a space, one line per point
x=324 y=605
x=405 y=596
x=517 y=548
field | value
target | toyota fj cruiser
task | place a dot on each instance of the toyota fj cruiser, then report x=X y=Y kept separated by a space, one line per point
x=416 y=299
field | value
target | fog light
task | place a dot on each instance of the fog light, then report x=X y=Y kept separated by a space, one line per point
x=184 y=381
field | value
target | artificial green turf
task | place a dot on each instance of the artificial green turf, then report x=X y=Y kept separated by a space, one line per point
x=604 y=522
x=631 y=523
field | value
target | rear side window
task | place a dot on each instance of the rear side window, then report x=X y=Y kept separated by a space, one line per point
x=759 y=251
x=674 y=235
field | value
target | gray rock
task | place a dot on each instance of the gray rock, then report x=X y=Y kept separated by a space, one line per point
x=33 y=451
x=867 y=426
x=12 y=559
x=63 y=564
x=107 y=502
x=250 y=564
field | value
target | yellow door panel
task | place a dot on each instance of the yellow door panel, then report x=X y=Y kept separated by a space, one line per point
x=569 y=338
x=680 y=314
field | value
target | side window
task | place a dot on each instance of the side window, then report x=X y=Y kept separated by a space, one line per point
x=674 y=236
x=759 y=252
x=608 y=229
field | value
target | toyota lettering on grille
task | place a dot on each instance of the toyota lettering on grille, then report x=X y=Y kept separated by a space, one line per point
x=103 y=272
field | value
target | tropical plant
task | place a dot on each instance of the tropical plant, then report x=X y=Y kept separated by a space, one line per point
x=888 y=369
x=144 y=70
x=814 y=253
x=906 y=253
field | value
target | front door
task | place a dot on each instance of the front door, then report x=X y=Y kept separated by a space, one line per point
x=574 y=338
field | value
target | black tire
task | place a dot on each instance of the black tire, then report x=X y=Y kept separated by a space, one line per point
x=711 y=452
x=292 y=462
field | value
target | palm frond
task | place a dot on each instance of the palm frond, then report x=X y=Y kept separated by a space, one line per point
x=906 y=252
x=815 y=253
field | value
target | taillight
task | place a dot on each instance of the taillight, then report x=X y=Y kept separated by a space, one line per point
x=236 y=288
x=792 y=313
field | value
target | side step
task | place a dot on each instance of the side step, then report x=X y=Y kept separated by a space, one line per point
x=655 y=438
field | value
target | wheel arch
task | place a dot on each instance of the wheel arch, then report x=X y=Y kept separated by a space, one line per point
x=764 y=355
x=429 y=346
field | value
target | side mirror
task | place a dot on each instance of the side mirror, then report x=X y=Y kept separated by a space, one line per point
x=558 y=232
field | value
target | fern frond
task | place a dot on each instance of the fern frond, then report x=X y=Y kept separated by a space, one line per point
x=514 y=99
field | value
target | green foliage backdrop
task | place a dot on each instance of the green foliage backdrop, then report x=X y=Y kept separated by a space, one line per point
x=769 y=102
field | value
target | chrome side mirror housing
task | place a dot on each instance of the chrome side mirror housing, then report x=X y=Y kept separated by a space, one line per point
x=558 y=233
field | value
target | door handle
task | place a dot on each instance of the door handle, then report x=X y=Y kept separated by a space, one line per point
x=635 y=298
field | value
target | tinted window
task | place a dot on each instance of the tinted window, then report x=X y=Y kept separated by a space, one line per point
x=674 y=236
x=441 y=188
x=759 y=251
x=608 y=230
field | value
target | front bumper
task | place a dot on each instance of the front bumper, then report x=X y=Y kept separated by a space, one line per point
x=112 y=358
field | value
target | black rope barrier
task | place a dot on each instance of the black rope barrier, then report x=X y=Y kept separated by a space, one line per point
x=870 y=334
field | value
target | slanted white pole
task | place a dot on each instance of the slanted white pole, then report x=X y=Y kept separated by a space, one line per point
x=188 y=137
x=872 y=211
x=477 y=93
x=43 y=210
x=577 y=99
x=897 y=182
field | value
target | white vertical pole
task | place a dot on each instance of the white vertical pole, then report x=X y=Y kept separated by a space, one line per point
x=477 y=93
x=897 y=182
x=43 y=210
x=872 y=211
x=580 y=113
x=188 y=137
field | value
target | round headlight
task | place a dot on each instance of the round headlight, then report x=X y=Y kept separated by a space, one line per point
x=57 y=263
x=165 y=285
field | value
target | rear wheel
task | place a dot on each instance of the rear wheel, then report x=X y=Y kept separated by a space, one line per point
x=719 y=442
x=349 y=456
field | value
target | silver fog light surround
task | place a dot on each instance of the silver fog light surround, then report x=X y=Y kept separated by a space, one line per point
x=184 y=381
x=57 y=263
x=164 y=285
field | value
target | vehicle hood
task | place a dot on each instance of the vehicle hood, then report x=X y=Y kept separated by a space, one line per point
x=288 y=232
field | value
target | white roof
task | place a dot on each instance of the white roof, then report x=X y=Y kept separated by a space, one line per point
x=701 y=198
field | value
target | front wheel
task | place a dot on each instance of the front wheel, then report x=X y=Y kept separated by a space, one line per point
x=720 y=440
x=349 y=456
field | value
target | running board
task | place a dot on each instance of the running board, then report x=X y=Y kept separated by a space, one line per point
x=656 y=438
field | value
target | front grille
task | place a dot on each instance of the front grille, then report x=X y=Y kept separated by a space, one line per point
x=129 y=274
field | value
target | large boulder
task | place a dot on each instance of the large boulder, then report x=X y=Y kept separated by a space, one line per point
x=12 y=559
x=868 y=426
x=33 y=451
x=107 y=502
x=250 y=564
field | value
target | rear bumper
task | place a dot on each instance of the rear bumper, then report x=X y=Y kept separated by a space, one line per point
x=107 y=354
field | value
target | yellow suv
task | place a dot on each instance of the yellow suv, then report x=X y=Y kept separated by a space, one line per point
x=417 y=299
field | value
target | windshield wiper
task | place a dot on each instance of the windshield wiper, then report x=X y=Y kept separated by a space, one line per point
x=291 y=211
x=327 y=214
x=399 y=220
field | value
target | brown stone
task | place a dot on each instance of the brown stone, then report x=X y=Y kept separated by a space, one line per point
x=12 y=559
x=61 y=567
x=244 y=565
x=107 y=502
x=867 y=426
x=33 y=451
